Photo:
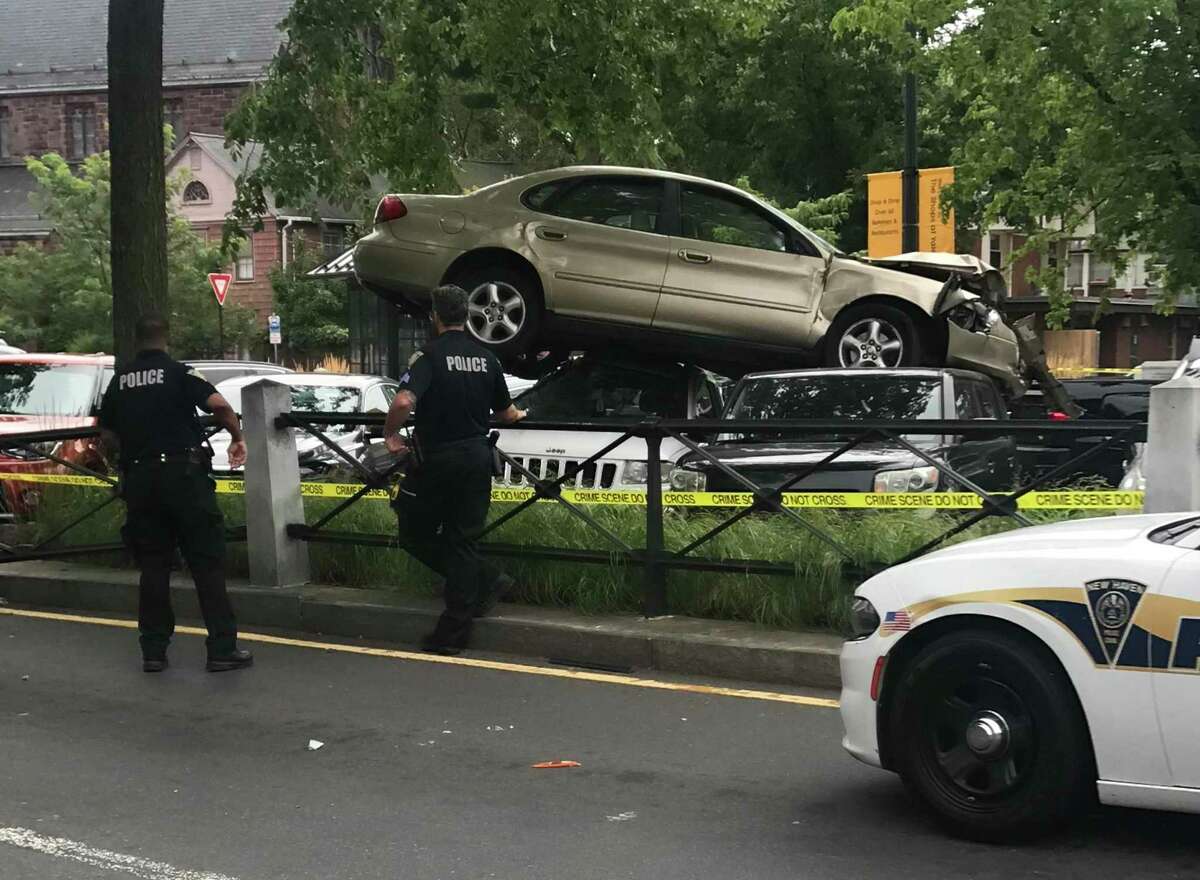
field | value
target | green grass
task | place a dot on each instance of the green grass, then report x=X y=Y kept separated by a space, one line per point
x=814 y=597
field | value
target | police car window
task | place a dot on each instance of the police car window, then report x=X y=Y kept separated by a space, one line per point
x=47 y=389
x=308 y=398
x=628 y=203
x=379 y=398
x=597 y=391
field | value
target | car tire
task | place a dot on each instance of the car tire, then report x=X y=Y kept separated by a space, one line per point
x=504 y=308
x=988 y=733
x=874 y=327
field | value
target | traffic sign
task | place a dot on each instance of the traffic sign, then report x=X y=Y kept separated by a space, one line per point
x=220 y=285
x=275 y=328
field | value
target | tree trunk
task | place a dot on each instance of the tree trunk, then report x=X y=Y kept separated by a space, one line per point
x=135 y=122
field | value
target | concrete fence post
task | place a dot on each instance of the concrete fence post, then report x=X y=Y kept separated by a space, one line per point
x=1172 y=457
x=272 y=489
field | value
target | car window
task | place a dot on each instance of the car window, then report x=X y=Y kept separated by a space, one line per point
x=990 y=406
x=627 y=203
x=584 y=390
x=706 y=215
x=47 y=389
x=966 y=400
x=538 y=196
x=707 y=406
x=852 y=398
x=378 y=398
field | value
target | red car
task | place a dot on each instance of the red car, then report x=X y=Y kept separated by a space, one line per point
x=39 y=392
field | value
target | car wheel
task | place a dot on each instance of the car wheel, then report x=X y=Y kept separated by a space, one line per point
x=504 y=308
x=989 y=734
x=873 y=335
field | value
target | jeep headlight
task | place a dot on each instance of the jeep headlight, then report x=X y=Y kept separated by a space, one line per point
x=922 y=479
x=684 y=480
x=864 y=619
x=636 y=472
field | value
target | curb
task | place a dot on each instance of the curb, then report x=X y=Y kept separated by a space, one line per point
x=689 y=646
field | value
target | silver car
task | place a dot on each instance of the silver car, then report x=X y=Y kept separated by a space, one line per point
x=681 y=266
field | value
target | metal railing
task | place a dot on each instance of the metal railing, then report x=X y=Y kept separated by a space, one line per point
x=654 y=557
x=32 y=444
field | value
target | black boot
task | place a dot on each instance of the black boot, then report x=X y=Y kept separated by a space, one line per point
x=500 y=590
x=154 y=664
x=239 y=658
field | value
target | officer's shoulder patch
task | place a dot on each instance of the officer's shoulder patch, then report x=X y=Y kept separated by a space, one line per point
x=415 y=357
x=192 y=371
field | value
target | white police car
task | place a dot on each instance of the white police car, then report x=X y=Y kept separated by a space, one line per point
x=1012 y=679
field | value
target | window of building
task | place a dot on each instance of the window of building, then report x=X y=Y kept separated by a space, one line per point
x=995 y=255
x=5 y=134
x=196 y=193
x=707 y=215
x=333 y=241
x=81 y=128
x=243 y=266
x=173 y=116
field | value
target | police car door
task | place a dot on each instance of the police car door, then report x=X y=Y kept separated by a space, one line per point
x=1172 y=618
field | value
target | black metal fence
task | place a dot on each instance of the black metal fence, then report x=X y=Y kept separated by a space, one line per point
x=655 y=559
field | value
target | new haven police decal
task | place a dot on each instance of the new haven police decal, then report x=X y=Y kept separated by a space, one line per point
x=1113 y=604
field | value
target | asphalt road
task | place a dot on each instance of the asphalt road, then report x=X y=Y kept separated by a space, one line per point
x=425 y=773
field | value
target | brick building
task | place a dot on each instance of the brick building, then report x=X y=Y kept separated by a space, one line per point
x=53 y=83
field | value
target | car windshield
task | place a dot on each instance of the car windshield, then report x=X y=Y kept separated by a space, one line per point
x=308 y=398
x=840 y=397
x=47 y=389
x=587 y=390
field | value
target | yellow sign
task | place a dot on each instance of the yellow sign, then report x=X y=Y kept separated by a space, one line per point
x=884 y=238
x=885 y=213
x=935 y=234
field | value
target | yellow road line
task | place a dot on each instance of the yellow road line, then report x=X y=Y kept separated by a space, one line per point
x=497 y=665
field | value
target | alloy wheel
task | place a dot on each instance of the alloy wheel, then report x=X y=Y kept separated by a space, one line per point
x=495 y=312
x=871 y=342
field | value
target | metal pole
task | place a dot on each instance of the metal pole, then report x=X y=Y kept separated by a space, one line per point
x=654 y=600
x=221 y=328
x=910 y=176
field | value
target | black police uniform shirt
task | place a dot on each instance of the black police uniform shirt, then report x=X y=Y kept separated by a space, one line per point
x=151 y=406
x=457 y=384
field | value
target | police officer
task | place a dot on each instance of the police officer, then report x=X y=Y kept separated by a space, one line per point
x=453 y=383
x=148 y=414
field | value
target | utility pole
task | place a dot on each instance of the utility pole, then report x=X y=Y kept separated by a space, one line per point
x=910 y=176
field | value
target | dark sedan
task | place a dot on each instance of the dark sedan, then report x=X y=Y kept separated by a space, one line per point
x=857 y=395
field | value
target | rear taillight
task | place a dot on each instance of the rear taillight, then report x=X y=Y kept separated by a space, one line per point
x=390 y=208
x=1056 y=416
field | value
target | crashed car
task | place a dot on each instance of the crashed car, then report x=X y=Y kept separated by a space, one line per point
x=1012 y=680
x=682 y=266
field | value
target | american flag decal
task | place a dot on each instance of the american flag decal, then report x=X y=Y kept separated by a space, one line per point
x=896 y=622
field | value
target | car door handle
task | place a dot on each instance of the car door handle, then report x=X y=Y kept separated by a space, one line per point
x=694 y=256
x=547 y=234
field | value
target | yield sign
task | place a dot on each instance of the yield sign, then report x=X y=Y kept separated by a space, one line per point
x=220 y=285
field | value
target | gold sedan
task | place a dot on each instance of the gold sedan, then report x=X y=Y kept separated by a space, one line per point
x=599 y=256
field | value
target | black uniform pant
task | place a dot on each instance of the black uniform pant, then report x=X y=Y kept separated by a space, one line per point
x=173 y=505
x=442 y=507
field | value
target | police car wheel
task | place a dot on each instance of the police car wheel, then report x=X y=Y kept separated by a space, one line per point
x=987 y=732
x=504 y=308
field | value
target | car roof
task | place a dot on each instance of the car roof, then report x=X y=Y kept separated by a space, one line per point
x=345 y=380
x=99 y=360
x=921 y=372
x=212 y=362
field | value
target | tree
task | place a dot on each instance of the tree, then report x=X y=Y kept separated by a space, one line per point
x=405 y=88
x=139 y=229
x=60 y=298
x=1072 y=110
x=312 y=312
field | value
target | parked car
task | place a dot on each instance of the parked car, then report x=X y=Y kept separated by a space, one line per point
x=1100 y=397
x=318 y=393
x=682 y=266
x=1012 y=680
x=772 y=459
x=218 y=371
x=600 y=389
x=5 y=348
x=39 y=392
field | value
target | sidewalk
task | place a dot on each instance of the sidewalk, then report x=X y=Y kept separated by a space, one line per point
x=682 y=645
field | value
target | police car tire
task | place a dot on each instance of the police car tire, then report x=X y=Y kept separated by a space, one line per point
x=1056 y=772
x=527 y=286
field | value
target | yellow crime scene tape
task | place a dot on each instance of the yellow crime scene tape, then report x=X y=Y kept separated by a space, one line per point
x=1049 y=500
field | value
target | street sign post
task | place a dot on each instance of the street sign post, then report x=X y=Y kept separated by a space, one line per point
x=220 y=282
x=275 y=329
